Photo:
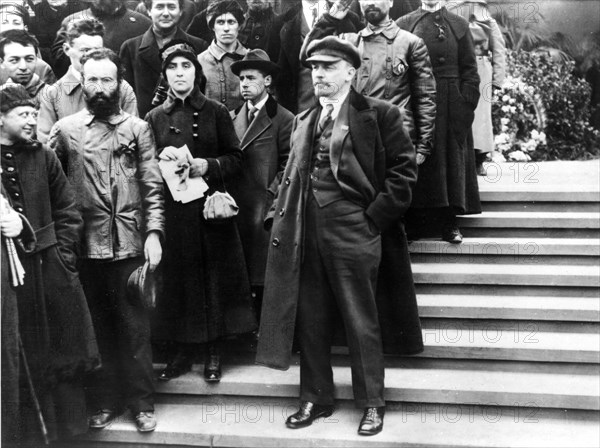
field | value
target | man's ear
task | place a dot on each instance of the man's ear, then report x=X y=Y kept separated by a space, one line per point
x=66 y=47
x=268 y=80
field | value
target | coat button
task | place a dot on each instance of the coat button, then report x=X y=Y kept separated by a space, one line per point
x=10 y=169
x=276 y=242
x=257 y=37
x=8 y=155
x=287 y=181
x=195 y=125
x=195 y=114
x=19 y=209
x=442 y=60
x=282 y=212
x=16 y=195
x=195 y=135
x=13 y=180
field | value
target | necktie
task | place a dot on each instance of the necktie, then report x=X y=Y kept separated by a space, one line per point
x=251 y=113
x=325 y=120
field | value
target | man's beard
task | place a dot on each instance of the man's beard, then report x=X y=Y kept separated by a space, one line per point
x=105 y=8
x=102 y=105
x=374 y=16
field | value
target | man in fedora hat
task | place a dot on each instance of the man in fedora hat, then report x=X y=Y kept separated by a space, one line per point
x=263 y=127
x=338 y=252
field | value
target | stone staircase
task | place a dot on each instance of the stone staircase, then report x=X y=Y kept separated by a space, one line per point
x=511 y=327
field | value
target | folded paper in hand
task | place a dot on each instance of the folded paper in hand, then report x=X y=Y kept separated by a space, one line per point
x=183 y=188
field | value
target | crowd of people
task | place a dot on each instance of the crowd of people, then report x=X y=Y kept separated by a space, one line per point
x=326 y=135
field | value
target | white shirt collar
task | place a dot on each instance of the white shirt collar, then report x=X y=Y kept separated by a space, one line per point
x=307 y=9
x=74 y=73
x=337 y=103
x=260 y=104
x=435 y=8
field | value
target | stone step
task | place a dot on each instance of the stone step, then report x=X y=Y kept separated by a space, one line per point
x=507 y=274
x=513 y=340
x=567 y=386
x=534 y=308
x=507 y=290
x=525 y=251
x=511 y=205
x=536 y=220
x=222 y=421
x=478 y=339
x=539 y=194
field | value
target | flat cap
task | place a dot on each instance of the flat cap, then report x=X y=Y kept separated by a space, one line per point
x=332 y=49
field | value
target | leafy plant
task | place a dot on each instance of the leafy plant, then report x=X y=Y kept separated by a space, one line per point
x=543 y=110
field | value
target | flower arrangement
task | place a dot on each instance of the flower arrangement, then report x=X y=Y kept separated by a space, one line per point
x=519 y=119
x=542 y=111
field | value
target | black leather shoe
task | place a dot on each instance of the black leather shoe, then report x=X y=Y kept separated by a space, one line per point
x=452 y=235
x=212 y=368
x=371 y=422
x=174 y=370
x=102 y=418
x=145 y=421
x=307 y=414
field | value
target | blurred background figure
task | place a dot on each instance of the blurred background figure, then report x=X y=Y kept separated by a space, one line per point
x=119 y=23
x=491 y=66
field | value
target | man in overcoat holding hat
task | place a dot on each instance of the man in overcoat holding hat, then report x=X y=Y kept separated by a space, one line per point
x=338 y=251
x=264 y=128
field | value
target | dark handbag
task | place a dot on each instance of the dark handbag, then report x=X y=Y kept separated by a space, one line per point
x=220 y=206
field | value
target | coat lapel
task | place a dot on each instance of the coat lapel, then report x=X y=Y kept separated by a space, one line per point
x=240 y=121
x=148 y=51
x=259 y=125
x=338 y=136
x=302 y=138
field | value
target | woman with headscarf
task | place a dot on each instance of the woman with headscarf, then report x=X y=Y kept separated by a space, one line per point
x=206 y=292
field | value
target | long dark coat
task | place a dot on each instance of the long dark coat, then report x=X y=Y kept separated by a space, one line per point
x=142 y=64
x=266 y=145
x=374 y=133
x=206 y=291
x=448 y=176
x=54 y=321
x=9 y=328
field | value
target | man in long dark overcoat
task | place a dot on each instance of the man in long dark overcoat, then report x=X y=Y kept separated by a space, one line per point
x=447 y=183
x=335 y=235
x=49 y=324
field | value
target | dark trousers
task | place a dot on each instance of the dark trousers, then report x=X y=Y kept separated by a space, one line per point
x=342 y=252
x=123 y=333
